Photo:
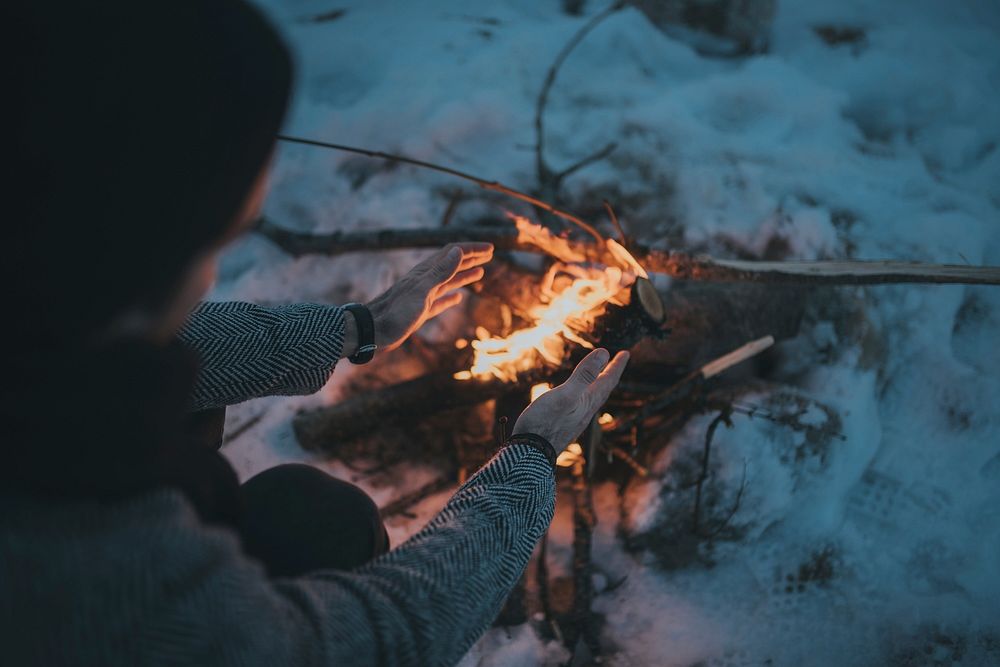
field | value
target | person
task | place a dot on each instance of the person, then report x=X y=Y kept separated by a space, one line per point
x=142 y=138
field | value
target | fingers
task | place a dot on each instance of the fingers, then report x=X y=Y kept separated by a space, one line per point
x=601 y=388
x=475 y=254
x=588 y=369
x=445 y=264
x=474 y=248
x=456 y=257
x=461 y=279
x=444 y=303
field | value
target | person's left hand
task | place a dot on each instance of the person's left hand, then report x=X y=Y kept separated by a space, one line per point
x=429 y=289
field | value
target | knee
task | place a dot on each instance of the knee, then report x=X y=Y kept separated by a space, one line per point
x=296 y=504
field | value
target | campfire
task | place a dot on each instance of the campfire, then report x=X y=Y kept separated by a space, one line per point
x=574 y=294
x=532 y=326
x=584 y=297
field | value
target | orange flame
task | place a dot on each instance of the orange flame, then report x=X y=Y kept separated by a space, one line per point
x=565 y=312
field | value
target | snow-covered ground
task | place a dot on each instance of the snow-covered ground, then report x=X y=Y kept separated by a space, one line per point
x=883 y=546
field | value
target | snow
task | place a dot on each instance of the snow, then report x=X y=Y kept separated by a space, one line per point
x=887 y=148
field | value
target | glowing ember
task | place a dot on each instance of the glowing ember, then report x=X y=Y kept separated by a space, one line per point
x=573 y=295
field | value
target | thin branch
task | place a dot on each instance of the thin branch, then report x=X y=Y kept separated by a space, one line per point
x=584 y=519
x=494 y=186
x=544 y=592
x=722 y=417
x=453 y=201
x=544 y=173
x=596 y=156
x=615 y=222
x=737 y=356
x=298 y=244
x=736 y=504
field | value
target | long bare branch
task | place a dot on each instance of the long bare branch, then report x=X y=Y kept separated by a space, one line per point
x=679 y=265
x=494 y=186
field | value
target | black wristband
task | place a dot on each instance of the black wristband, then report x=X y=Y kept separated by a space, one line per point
x=535 y=442
x=366 y=333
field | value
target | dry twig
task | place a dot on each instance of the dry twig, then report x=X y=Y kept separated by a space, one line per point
x=549 y=180
x=721 y=418
x=494 y=186
x=583 y=589
x=615 y=222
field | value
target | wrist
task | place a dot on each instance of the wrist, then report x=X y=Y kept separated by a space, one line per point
x=541 y=431
x=364 y=345
x=350 y=335
x=536 y=442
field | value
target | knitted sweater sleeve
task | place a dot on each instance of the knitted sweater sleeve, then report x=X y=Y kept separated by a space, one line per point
x=424 y=603
x=248 y=351
x=428 y=601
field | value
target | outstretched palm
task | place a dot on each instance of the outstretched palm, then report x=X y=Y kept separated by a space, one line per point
x=428 y=290
x=560 y=415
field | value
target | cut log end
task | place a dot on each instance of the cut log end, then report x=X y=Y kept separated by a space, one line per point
x=649 y=300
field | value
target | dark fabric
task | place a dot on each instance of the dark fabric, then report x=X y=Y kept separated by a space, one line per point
x=147 y=583
x=296 y=519
x=139 y=128
x=206 y=428
x=299 y=519
x=115 y=430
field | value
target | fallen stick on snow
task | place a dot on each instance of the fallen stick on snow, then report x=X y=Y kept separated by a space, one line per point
x=690 y=383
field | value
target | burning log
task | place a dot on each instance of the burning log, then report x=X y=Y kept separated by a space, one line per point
x=707 y=322
x=624 y=326
x=407 y=402
x=678 y=265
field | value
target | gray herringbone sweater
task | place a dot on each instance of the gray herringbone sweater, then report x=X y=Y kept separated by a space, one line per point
x=145 y=582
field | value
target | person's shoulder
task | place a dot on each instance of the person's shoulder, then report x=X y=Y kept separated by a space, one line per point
x=140 y=577
x=63 y=540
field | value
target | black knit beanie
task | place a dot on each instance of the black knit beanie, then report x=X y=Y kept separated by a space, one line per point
x=134 y=133
x=139 y=130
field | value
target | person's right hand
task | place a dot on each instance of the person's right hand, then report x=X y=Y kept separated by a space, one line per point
x=560 y=415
